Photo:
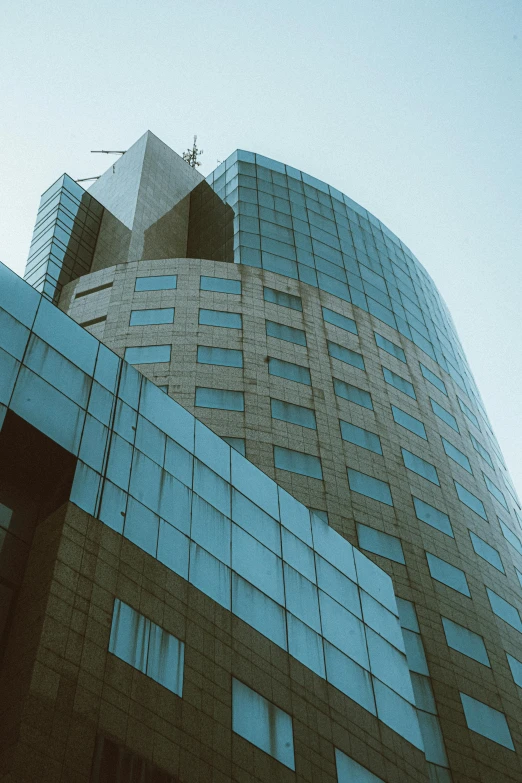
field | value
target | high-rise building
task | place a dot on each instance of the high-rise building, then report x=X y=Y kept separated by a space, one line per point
x=256 y=525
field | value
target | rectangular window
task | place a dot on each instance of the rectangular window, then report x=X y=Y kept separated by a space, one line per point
x=486 y=721
x=434 y=379
x=494 y=490
x=147 y=647
x=282 y=299
x=449 y=575
x=148 y=354
x=219 y=398
x=349 y=771
x=294 y=414
x=297 y=462
x=481 y=450
x=486 y=552
x=465 y=641
x=471 y=501
x=468 y=412
x=516 y=669
x=390 y=347
x=220 y=285
x=225 y=357
x=409 y=422
x=290 y=371
x=220 y=318
x=511 y=537
x=288 y=333
x=237 y=443
x=262 y=723
x=444 y=415
x=156 y=283
x=345 y=355
x=369 y=486
x=359 y=437
x=504 y=610
x=342 y=321
x=353 y=394
x=456 y=455
x=399 y=383
x=432 y=516
x=380 y=543
x=420 y=466
x=163 y=315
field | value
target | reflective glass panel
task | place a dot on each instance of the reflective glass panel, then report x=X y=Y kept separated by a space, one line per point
x=390 y=347
x=380 y=543
x=349 y=771
x=434 y=379
x=369 y=486
x=353 y=394
x=297 y=462
x=219 y=398
x=220 y=318
x=449 y=575
x=345 y=355
x=288 y=333
x=156 y=283
x=226 y=357
x=130 y=633
x=470 y=500
x=165 y=659
x=148 y=354
x=456 y=455
x=219 y=284
x=432 y=516
x=360 y=437
x=288 y=370
x=486 y=721
x=420 y=466
x=342 y=321
x=409 y=422
x=486 y=551
x=504 y=610
x=444 y=415
x=164 y=315
x=281 y=298
x=294 y=414
x=399 y=383
x=465 y=641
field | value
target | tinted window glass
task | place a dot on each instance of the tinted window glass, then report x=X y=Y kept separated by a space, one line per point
x=470 y=500
x=164 y=315
x=294 y=414
x=456 y=455
x=444 y=415
x=226 y=357
x=432 y=516
x=486 y=551
x=288 y=333
x=219 y=284
x=360 y=437
x=148 y=354
x=390 y=347
x=342 y=321
x=400 y=383
x=219 y=398
x=434 y=379
x=369 y=486
x=353 y=394
x=220 y=318
x=156 y=283
x=449 y=575
x=409 y=422
x=468 y=412
x=465 y=641
x=486 y=721
x=297 y=462
x=345 y=355
x=380 y=543
x=282 y=298
x=420 y=466
x=288 y=370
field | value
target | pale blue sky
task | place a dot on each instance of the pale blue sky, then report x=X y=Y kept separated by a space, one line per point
x=411 y=107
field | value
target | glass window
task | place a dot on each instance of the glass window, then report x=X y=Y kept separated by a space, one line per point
x=343 y=629
x=262 y=723
x=305 y=645
x=336 y=584
x=381 y=620
x=486 y=551
x=353 y=394
x=301 y=598
x=173 y=549
x=156 y=283
x=294 y=414
x=369 y=486
x=219 y=398
x=237 y=443
x=210 y=575
x=434 y=379
x=350 y=678
x=345 y=355
x=360 y=437
x=494 y=490
x=282 y=298
x=61 y=332
x=444 y=415
x=257 y=564
x=511 y=537
x=298 y=554
x=420 y=466
x=516 y=669
x=130 y=634
x=486 y=721
x=408 y=615
x=465 y=641
x=468 y=412
x=399 y=383
x=389 y=665
x=397 y=713
x=163 y=315
x=481 y=450
x=165 y=659
x=219 y=284
x=288 y=333
x=432 y=516
x=380 y=543
x=349 y=771
x=449 y=575
x=225 y=357
x=148 y=354
x=342 y=321
x=390 y=347
x=504 y=610
x=470 y=500
x=288 y=370
x=259 y=611
x=456 y=455
x=220 y=318
x=254 y=484
x=297 y=462
x=409 y=422
x=256 y=522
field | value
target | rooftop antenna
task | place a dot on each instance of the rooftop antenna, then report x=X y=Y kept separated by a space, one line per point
x=191 y=155
x=88 y=179
x=110 y=152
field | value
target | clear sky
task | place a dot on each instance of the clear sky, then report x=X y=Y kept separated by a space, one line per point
x=411 y=107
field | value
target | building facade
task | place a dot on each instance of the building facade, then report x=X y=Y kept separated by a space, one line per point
x=286 y=546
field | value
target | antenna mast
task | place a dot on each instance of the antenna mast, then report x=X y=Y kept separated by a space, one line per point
x=191 y=155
